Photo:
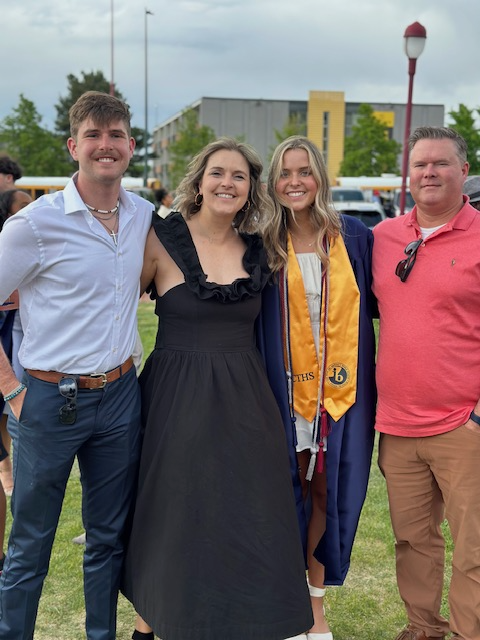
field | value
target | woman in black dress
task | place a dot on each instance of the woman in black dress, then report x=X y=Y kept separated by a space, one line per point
x=215 y=551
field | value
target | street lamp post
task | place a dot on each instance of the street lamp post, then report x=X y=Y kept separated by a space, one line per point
x=112 y=82
x=145 y=135
x=414 y=43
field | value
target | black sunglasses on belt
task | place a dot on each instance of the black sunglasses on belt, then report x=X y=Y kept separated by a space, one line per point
x=68 y=388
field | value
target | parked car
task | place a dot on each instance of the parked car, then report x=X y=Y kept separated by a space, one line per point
x=409 y=201
x=352 y=202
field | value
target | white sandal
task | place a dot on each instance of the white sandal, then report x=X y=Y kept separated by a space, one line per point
x=317 y=592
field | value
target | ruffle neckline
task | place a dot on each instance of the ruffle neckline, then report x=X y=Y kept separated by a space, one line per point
x=174 y=234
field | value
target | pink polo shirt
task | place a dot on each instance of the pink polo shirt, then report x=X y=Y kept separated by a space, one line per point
x=428 y=363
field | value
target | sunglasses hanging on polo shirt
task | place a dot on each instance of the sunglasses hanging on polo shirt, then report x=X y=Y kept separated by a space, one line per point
x=403 y=268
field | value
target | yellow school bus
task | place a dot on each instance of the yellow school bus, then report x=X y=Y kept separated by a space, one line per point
x=38 y=186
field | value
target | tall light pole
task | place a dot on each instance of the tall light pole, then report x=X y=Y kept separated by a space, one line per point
x=112 y=82
x=145 y=135
x=413 y=44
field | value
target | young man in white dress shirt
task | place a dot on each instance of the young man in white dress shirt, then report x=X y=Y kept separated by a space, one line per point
x=75 y=256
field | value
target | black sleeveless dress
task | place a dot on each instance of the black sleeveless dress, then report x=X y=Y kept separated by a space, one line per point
x=215 y=550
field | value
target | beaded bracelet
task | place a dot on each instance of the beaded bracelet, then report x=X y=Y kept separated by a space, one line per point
x=14 y=393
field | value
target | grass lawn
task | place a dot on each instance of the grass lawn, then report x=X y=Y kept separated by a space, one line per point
x=367 y=607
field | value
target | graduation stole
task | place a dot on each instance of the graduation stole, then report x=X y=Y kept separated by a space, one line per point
x=327 y=381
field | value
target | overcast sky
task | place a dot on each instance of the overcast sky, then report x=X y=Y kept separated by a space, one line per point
x=270 y=49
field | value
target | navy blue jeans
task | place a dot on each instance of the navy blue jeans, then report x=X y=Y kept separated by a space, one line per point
x=106 y=440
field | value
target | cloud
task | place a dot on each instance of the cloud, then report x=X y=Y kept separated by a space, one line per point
x=270 y=49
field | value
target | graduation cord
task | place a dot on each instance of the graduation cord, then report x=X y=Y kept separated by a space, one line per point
x=288 y=350
x=320 y=422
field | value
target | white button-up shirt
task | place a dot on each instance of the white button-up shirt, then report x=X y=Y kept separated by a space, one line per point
x=78 y=291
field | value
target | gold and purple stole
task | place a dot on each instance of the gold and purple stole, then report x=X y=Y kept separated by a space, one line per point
x=327 y=382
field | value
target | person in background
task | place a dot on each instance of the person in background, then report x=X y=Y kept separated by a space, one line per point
x=3 y=503
x=471 y=188
x=215 y=550
x=76 y=257
x=165 y=198
x=426 y=277
x=10 y=171
x=319 y=346
x=11 y=202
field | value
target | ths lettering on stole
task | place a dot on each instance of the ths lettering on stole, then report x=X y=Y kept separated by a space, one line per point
x=303 y=377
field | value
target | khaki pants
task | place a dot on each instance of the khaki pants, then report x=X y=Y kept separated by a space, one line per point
x=429 y=479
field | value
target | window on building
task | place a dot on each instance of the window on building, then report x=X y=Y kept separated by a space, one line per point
x=326 y=123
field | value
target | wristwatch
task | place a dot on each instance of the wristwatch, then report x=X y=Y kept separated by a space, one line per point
x=475 y=418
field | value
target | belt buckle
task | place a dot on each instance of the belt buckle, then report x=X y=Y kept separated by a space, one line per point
x=102 y=376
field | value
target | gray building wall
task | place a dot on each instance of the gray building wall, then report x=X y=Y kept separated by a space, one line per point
x=255 y=122
x=422 y=114
x=252 y=121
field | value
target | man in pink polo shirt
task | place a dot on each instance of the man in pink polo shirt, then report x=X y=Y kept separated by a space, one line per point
x=426 y=273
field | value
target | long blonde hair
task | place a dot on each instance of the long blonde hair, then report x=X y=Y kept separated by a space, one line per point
x=325 y=219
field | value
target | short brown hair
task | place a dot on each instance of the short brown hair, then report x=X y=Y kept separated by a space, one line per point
x=101 y=107
x=440 y=133
x=10 y=168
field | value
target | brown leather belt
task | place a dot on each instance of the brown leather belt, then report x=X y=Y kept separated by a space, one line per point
x=89 y=381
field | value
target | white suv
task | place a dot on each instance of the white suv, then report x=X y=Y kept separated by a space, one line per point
x=352 y=202
x=409 y=201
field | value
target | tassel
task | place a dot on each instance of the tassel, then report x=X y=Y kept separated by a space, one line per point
x=324 y=430
x=320 y=460
x=294 y=430
x=311 y=465
x=323 y=423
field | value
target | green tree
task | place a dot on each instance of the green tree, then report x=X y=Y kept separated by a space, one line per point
x=40 y=152
x=464 y=124
x=295 y=126
x=96 y=81
x=369 y=151
x=136 y=167
x=191 y=138
x=93 y=81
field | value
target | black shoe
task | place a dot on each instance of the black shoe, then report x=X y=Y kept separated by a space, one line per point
x=139 y=635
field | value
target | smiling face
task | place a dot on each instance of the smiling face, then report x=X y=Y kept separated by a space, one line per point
x=436 y=179
x=225 y=183
x=103 y=152
x=296 y=187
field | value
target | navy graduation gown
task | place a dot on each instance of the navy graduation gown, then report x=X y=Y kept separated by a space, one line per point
x=350 y=442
